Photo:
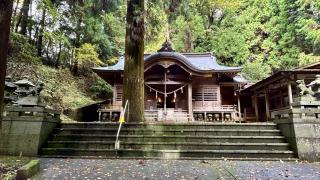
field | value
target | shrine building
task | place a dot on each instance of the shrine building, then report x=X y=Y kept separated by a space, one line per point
x=180 y=87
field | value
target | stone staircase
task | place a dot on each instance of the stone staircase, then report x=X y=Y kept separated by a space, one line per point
x=170 y=141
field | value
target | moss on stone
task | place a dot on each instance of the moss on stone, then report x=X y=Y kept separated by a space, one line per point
x=9 y=166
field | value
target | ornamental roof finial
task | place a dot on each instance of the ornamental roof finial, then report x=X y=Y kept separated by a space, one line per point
x=166 y=47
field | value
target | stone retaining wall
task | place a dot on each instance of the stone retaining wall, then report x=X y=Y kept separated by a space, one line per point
x=301 y=127
x=25 y=129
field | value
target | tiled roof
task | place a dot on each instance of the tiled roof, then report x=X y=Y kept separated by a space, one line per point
x=197 y=61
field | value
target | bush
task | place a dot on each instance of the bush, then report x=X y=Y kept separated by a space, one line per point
x=86 y=58
x=256 y=71
x=22 y=59
x=101 y=89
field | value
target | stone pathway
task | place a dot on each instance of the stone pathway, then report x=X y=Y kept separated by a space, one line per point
x=174 y=169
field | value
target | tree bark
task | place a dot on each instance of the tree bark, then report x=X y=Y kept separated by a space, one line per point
x=14 y=15
x=24 y=17
x=5 y=18
x=133 y=80
x=40 y=38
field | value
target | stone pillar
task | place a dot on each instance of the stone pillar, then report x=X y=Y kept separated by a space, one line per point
x=190 y=111
x=25 y=129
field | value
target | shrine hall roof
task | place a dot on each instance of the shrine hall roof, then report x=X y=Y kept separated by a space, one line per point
x=202 y=62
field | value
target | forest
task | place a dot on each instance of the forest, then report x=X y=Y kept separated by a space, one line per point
x=66 y=38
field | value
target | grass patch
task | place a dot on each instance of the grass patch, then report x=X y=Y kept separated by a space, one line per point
x=10 y=164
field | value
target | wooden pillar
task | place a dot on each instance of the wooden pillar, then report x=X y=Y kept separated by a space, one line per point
x=281 y=98
x=290 y=94
x=114 y=95
x=266 y=98
x=190 y=101
x=239 y=107
x=256 y=106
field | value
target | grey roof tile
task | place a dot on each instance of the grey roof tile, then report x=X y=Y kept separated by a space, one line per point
x=198 y=61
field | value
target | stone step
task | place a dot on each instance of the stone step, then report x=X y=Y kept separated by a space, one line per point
x=169 y=138
x=169 y=154
x=205 y=159
x=193 y=125
x=194 y=132
x=176 y=141
x=167 y=145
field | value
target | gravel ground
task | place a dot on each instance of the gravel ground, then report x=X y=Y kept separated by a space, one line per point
x=174 y=169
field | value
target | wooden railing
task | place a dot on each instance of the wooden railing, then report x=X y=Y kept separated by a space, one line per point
x=168 y=115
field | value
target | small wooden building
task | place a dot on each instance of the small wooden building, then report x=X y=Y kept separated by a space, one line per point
x=180 y=87
x=275 y=93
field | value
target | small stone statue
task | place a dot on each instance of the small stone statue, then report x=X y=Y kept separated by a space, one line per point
x=216 y=117
x=315 y=86
x=304 y=90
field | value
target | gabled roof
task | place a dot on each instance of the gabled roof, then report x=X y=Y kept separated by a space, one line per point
x=277 y=76
x=315 y=65
x=203 y=62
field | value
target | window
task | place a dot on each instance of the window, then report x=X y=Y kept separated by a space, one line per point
x=205 y=93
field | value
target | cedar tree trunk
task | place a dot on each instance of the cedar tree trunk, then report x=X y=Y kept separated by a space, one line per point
x=25 y=16
x=40 y=38
x=133 y=80
x=5 y=18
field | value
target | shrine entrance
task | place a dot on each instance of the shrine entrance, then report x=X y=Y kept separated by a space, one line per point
x=166 y=93
x=170 y=101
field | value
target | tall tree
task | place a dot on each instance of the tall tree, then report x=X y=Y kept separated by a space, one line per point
x=5 y=17
x=134 y=63
x=25 y=15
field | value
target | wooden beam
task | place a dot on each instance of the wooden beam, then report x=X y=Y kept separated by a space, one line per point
x=167 y=82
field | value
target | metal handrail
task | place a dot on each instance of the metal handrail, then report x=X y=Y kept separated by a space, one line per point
x=121 y=120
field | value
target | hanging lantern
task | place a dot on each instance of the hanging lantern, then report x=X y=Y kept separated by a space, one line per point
x=156 y=94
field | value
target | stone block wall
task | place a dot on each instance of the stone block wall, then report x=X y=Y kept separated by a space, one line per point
x=25 y=129
x=301 y=127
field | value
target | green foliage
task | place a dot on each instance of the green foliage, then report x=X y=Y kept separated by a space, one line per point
x=20 y=50
x=86 y=57
x=156 y=27
x=230 y=47
x=101 y=89
x=305 y=59
x=187 y=31
x=63 y=95
x=255 y=71
x=280 y=34
x=22 y=58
